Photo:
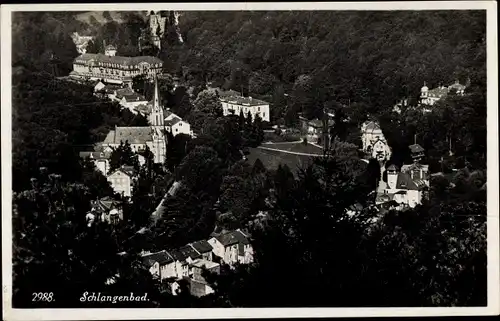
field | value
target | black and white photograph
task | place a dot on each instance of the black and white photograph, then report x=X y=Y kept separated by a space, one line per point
x=242 y=156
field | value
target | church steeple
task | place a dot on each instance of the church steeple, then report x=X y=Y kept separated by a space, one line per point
x=156 y=117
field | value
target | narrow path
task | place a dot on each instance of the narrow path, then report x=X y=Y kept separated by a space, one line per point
x=280 y=143
x=288 y=152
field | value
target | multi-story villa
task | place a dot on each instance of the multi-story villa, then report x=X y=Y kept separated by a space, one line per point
x=234 y=105
x=114 y=69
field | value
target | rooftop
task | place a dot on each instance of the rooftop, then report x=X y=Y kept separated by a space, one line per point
x=162 y=257
x=179 y=255
x=371 y=126
x=392 y=167
x=134 y=135
x=416 y=148
x=107 y=203
x=189 y=251
x=457 y=86
x=438 y=92
x=201 y=263
x=129 y=94
x=128 y=170
x=172 y=121
x=406 y=182
x=119 y=60
x=202 y=246
x=239 y=100
x=232 y=237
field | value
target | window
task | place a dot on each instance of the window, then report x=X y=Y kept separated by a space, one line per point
x=258 y=108
x=176 y=130
x=264 y=114
x=113 y=218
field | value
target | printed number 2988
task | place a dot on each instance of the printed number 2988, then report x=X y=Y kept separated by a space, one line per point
x=43 y=296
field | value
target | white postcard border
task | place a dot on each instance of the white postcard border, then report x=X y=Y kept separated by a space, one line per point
x=209 y=313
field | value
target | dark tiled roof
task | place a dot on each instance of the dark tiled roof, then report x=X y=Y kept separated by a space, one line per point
x=119 y=60
x=107 y=203
x=233 y=237
x=372 y=126
x=162 y=257
x=134 y=135
x=129 y=94
x=128 y=170
x=239 y=100
x=189 y=251
x=406 y=182
x=392 y=167
x=202 y=246
x=416 y=148
x=178 y=255
x=172 y=121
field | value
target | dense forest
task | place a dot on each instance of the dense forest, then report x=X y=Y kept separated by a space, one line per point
x=53 y=120
x=370 y=58
x=358 y=63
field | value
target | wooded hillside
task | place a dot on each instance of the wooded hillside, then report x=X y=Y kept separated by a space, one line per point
x=375 y=58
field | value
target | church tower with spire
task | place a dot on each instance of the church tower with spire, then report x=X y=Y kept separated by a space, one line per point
x=157 y=122
x=156 y=118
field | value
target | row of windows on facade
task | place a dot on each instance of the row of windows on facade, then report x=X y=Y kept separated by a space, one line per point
x=104 y=64
x=116 y=72
x=257 y=114
x=232 y=107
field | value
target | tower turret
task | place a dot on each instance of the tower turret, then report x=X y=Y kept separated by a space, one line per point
x=156 y=117
x=424 y=90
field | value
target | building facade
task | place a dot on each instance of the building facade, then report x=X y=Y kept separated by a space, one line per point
x=430 y=97
x=121 y=180
x=374 y=142
x=234 y=105
x=232 y=247
x=115 y=69
x=141 y=137
x=100 y=160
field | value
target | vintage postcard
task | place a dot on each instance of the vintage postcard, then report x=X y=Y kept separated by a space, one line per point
x=235 y=160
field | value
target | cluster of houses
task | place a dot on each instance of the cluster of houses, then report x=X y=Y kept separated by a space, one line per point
x=314 y=130
x=125 y=96
x=405 y=186
x=189 y=261
x=139 y=137
x=431 y=96
x=105 y=210
x=374 y=143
